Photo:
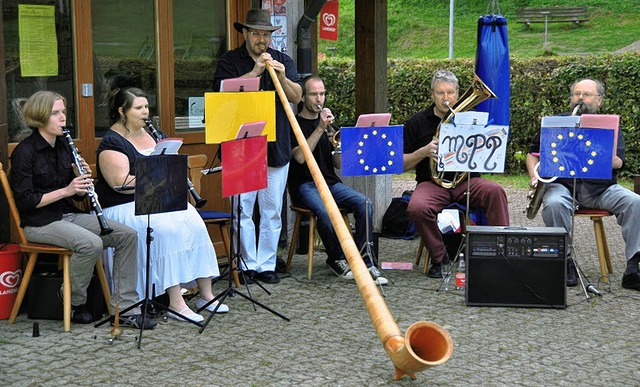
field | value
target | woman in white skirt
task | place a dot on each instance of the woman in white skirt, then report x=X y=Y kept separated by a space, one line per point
x=181 y=250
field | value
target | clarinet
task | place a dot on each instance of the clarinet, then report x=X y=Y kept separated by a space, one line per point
x=199 y=201
x=93 y=198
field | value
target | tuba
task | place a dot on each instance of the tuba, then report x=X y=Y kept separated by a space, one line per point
x=475 y=94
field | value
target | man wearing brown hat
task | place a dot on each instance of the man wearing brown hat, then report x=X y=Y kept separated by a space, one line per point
x=249 y=60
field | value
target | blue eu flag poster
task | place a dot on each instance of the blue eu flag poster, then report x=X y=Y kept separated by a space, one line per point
x=580 y=153
x=373 y=150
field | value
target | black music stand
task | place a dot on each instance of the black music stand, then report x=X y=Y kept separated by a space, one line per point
x=159 y=188
x=380 y=120
x=236 y=257
x=576 y=153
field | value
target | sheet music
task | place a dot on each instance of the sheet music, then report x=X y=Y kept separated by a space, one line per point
x=560 y=122
x=170 y=146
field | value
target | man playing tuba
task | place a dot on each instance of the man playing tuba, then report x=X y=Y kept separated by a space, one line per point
x=430 y=198
x=557 y=202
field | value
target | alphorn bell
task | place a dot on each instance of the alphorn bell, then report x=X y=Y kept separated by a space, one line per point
x=426 y=343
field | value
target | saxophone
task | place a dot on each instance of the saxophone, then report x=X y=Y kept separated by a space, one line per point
x=93 y=198
x=537 y=191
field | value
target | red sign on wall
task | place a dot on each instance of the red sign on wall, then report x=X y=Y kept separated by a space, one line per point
x=329 y=20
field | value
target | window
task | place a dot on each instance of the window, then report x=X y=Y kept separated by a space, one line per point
x=199 y=35
x=39 y=74
x=123 y=53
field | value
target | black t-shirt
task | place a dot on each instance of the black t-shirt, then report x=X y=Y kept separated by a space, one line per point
x=238 y=62
x=299 y=173
x=115 y=142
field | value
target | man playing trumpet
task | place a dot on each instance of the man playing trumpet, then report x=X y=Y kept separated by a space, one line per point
x=315 y=123
x=602 y=194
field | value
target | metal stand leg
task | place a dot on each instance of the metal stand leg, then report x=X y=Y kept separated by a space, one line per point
x=367 y=248
x=587 y=287
x=239 y=262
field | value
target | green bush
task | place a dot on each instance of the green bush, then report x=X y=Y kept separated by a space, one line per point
x=539 y=87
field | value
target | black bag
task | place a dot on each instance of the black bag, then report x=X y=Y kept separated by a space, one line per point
x=395 y=222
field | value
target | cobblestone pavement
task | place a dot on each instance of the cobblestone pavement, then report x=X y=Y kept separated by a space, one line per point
x=330 y=339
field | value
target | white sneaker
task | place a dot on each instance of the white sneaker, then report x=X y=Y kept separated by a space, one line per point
x=223 y=308
x=375 y=273
x=188 y=313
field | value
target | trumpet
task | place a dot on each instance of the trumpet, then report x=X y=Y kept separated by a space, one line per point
x=93 y=198
x=333 y=133
x=199 y=201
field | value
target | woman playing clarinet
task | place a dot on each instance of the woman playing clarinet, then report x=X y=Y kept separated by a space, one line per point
x=45 y=180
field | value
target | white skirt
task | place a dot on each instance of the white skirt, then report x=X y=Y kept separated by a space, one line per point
x=181 y=250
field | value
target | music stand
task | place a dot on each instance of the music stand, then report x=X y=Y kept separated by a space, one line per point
x=467 y=156
x=352 y=137
x=602 y=138
x=242 y=145
x=159 y=189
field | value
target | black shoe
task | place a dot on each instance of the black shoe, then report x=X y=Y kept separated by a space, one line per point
x=247 y=276
x=340 y=268
x=81 y=315
x=572 y=273
x=435 y=270
x=268 y=277
x=135 y=321
x=631 y=280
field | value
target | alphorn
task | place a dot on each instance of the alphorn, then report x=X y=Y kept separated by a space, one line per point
x=426 y=343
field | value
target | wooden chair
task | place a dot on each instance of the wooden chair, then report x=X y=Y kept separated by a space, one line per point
x=222 y=220
x=427 y=256
x=33 y=249
x=604 y=258
x=301 y=213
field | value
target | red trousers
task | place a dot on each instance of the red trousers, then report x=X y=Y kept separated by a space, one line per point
x=429 y=199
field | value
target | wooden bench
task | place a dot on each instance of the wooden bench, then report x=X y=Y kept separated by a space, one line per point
x=528 y=15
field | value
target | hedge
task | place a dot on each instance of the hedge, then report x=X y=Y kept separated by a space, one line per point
x=539 y=87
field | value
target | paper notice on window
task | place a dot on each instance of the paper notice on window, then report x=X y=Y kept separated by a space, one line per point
x=38 y=41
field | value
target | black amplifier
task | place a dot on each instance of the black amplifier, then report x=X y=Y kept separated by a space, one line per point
x=516 y=266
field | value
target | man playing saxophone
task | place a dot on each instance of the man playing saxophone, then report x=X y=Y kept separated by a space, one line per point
x=43 y=181
x=429 y=198
x=557 y=202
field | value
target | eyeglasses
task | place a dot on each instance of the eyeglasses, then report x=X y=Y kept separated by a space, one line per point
x=585 y=95
x=259 y=34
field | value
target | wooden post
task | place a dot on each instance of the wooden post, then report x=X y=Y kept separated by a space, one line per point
x=371 y=90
